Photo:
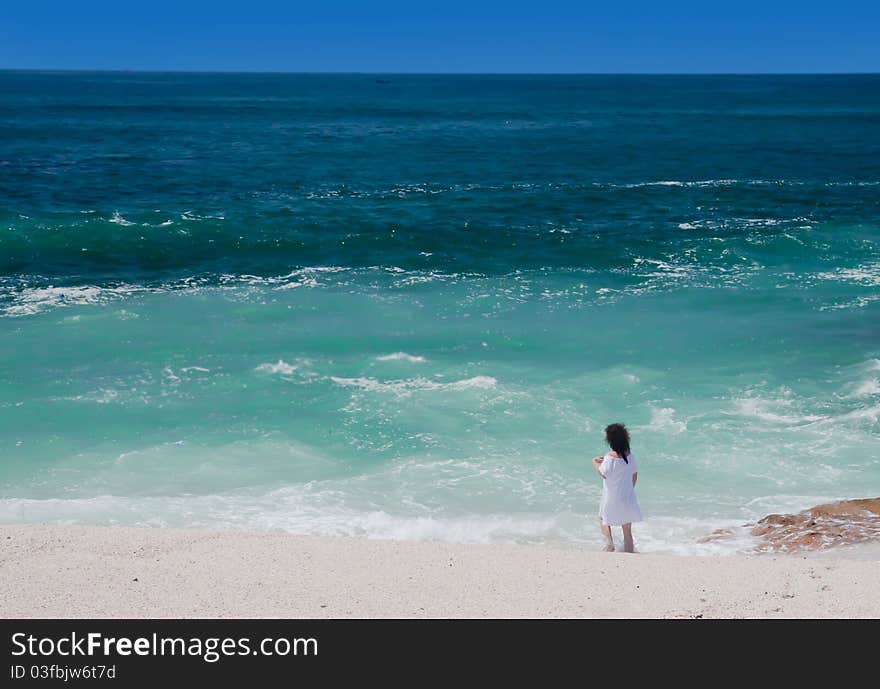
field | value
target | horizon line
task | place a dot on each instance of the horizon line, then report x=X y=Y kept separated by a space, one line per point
x=413 y=73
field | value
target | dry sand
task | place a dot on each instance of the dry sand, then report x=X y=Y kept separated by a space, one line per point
x=82 y=571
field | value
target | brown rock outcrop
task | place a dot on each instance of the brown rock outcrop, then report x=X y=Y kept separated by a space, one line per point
x=824 y=526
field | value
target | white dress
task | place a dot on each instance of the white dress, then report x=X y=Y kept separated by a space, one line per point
x=618 y=505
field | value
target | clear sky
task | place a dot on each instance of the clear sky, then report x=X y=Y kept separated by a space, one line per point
x=451 y=36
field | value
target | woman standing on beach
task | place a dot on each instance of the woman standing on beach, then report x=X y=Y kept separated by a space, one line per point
x=619 y=473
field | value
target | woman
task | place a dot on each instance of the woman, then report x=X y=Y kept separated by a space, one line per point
x=619 y=472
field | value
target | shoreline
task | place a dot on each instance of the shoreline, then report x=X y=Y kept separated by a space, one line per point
x=115 y=572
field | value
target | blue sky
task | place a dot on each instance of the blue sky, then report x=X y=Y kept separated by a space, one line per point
x=424 y=36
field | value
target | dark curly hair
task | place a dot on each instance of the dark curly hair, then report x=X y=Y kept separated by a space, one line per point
x=617 y=438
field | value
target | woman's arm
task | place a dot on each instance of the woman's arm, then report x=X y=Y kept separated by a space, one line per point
x=635 y=478
x=597 y=462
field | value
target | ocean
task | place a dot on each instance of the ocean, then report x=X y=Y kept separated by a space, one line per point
x=405 y=306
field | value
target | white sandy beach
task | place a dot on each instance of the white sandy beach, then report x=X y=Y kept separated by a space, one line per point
x=85 y=571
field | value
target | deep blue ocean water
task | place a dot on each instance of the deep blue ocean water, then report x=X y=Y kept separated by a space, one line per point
x=406 y=306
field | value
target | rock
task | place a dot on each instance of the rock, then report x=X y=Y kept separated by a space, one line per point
x=824 y=526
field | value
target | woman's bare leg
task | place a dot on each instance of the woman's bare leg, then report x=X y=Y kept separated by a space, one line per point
x=628 y=545
x=609 y=539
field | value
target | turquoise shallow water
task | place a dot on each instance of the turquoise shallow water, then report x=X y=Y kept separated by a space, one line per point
x=324 y=304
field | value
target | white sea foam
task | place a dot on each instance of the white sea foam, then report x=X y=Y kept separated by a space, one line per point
x=293 y=511
x=870 y=414
x=465 y=529
x=663 y=420
x=37 y=299
x=190 y=215
x=665 y=269
x=684 y=536
x=315 y=510
x=31 y=300
x=769 y=410
x=302 y=277
x=693 y=183
x=119 y=220
x=401 y=356
x=281 y=367
x=293 y=284
x=409 y=386
x=661 y=183
x=868 y=275
x=867 y=388
x=857 y=303
x=102 y=396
